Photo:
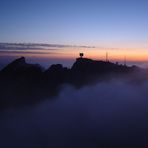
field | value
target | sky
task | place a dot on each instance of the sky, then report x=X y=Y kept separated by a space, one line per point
x=109 y=23
x=119 y=27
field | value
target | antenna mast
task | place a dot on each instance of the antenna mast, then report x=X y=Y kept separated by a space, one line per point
x=106 y=56
x=124 y=60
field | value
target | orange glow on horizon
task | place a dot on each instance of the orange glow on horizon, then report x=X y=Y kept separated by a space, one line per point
x=92 y=53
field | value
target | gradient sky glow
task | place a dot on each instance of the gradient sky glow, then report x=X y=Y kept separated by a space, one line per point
x=108 y=23
x=119 y=27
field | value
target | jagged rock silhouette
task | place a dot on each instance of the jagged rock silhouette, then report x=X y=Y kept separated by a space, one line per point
x=23 y=83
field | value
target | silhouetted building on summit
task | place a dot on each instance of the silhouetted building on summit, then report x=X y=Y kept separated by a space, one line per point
x=81 y=55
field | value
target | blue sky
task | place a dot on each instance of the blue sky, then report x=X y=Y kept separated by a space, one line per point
x=110 y=23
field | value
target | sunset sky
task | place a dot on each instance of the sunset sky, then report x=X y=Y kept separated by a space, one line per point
x=119 y=27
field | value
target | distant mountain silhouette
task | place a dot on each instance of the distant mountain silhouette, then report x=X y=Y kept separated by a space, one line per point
x=23 y=83
x=20 y=67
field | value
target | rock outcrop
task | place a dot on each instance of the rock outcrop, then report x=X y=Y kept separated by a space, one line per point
x=23 y=83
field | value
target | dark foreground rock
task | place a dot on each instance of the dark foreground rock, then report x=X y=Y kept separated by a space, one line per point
x=23 y=83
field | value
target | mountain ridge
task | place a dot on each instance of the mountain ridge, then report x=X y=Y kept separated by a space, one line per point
x=23 y=83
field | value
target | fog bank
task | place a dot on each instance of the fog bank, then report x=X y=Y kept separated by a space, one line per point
x=109 y=114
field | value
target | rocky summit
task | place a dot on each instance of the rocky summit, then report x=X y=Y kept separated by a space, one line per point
x=24 y=83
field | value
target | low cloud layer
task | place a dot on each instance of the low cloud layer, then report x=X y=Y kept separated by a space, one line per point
x=109 y=114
